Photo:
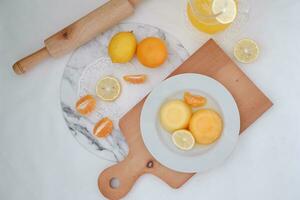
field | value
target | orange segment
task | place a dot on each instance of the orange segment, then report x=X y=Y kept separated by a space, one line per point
x=86 y=104
x=152 y=52
x=103 y=128
x=194 y=100
x=135 y=79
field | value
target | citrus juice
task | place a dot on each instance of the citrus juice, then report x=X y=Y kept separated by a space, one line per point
x=202 y=17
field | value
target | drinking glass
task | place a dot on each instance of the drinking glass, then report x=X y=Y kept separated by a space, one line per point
x=200 y=14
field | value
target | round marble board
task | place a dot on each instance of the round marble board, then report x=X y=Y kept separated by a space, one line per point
x=91 y=62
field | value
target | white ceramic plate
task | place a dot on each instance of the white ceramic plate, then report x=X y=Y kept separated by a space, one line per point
x=201 y=157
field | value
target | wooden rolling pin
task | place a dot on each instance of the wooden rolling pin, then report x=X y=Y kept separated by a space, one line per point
x=78 y=33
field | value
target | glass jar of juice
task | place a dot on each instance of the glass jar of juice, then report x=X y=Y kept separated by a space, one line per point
x=212 y=16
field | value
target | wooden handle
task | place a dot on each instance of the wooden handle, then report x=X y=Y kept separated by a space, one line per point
x=30 y=61
x=139 y=161
x=116 y=181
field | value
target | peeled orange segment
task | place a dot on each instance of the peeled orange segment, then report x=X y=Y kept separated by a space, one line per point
x=246 y=51
x=175 y=115
x=183 y=139
x=226 y=10
x=194 y=100
x=206 y=126
x=103 y=128
x=86 y=104
x=108 y=88
x=135 y=79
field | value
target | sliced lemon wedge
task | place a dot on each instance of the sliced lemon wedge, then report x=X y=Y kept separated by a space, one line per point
x=246 y=51
x=108 y=88
x=183 y=139
x=226 y=10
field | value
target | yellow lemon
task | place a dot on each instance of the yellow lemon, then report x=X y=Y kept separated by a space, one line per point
x=174 y=115
x=246 y=50
x=183 y=139
x=122 y=47
x=108 y=88
x=206 y=126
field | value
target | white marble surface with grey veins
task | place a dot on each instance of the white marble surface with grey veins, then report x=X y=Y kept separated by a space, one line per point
x=90 y=63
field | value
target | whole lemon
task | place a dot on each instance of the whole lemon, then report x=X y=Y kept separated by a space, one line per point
x=122 y=47
x=152 y=52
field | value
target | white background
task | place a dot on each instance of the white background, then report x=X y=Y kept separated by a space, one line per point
x=40 y=160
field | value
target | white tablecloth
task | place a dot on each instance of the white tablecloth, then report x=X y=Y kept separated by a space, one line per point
x=40 y=160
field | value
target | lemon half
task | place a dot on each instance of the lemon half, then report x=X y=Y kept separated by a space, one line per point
x=226 y=10
x=183 y=139
x=246 y=51
x=108 y=88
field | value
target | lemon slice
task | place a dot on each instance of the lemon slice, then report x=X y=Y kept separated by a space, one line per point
x=183 y=139
x=226 y=10
x=108 y=88
x=246 y=51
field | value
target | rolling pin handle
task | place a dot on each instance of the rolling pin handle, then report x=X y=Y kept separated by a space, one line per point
x=25 y=64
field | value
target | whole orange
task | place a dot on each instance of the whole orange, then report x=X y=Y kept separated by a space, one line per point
x=152 y=52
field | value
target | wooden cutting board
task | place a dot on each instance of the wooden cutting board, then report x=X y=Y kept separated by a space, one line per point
x=209 y=60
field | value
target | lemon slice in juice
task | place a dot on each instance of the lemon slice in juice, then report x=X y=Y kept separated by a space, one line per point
x=246 y=51
x=108 y=88
x=226 y=10
x=183 y=139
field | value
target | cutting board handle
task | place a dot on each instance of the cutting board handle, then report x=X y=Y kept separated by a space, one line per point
x=116 y=181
